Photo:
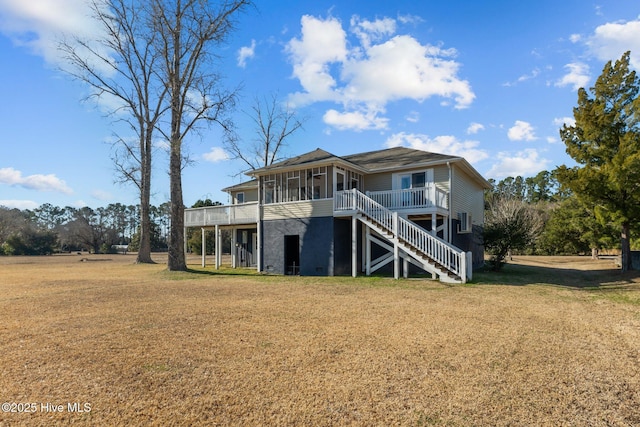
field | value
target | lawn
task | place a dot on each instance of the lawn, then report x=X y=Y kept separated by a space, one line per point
x=549 y=341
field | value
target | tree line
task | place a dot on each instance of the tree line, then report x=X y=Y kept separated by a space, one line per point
x=49 y=229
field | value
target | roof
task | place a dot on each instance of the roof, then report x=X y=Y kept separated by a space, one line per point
x=397 y=157
x=246 y=185
x=389 y=159
x=316 y=156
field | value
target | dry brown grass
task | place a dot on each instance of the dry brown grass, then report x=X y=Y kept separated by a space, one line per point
x=148 y=347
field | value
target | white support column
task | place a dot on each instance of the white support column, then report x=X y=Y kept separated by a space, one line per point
x=434 y=224
x=258 y=250
x=396 y=249
x=217 y=246
x=367 y=250
x=185 y=242
x=363 y=243
x=446 y=230
x=354 y=246
x=204 y=247
x=234 y=249
x=405 y=267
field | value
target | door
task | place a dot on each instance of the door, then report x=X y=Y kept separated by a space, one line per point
x=417 y=188
x=292 y=254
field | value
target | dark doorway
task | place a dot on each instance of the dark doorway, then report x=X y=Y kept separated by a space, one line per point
x=292 y=254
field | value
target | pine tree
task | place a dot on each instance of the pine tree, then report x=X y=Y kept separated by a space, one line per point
x=605 y=142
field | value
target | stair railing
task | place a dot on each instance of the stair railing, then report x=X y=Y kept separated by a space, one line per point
x=439 y=251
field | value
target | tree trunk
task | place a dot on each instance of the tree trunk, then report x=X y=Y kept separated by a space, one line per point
x=626 y=247
x=144 y=251
x=176 y=260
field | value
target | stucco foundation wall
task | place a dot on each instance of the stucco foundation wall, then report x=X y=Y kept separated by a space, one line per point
x=316 y=245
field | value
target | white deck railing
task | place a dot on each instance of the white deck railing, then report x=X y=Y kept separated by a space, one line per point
x=438 y=250
x=424 y=197
x=245 y=213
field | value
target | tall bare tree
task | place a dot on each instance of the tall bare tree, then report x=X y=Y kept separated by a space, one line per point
x=121 y=66
x=274 y=123
x=189 y=34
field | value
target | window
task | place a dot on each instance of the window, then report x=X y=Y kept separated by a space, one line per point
x=319 y=182
x=293 y=186
x=465 y=225
x=418 y=180
x=240 y=198
x=269 y=189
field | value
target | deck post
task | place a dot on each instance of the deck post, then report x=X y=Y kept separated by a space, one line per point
x=434 y=224
x=234 y=248
x=396 y=249
x=217 y=246
x=185 y=240
x=258 y=250
x=204 y=246
x=354 y=246
x=367 y=250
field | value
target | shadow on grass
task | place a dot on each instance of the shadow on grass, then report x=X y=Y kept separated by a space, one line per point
x=521 y=275
x=224 y=271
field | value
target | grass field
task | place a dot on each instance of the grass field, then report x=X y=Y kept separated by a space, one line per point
x=548 y=342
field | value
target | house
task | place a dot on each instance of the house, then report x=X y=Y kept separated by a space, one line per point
x=398 y=210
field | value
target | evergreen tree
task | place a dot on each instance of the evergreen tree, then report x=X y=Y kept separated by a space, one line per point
x=605 y=142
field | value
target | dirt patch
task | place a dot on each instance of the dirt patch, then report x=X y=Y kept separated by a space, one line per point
x=142 y=346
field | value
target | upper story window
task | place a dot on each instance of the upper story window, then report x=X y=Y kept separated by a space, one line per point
x=411 y=180
x=239 y=198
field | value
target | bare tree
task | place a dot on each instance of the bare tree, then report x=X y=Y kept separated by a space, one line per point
x=510 y=224
x=121 y=65
x=274 y=123
x=188 y=33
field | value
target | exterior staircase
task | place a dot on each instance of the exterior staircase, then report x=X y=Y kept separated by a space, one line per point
x=405 y=239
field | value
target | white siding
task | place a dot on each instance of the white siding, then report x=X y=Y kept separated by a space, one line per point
x=384 y=181
x=304 y=209
x=467 y=196
x=377 y=182
x=250 y=195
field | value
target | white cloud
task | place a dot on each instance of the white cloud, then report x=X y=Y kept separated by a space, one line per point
x=575 y=38
x=413 y=117
x=38 y=182
x=577 y=76
x=376 y=68
x=368 y=31
x=560 y=121
x=523 y=78
x=19 y=204
x=521 y=131
x=523 y=163
x=609 y=41
x=355 y=120
x=39 y=25
x=246 y=52
x=445 y=144
x=322 y=43
x=410 y=19
x=216 y=154
x=474 y=128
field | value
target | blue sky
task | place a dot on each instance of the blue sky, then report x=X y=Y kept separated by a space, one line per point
x=491 y=81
